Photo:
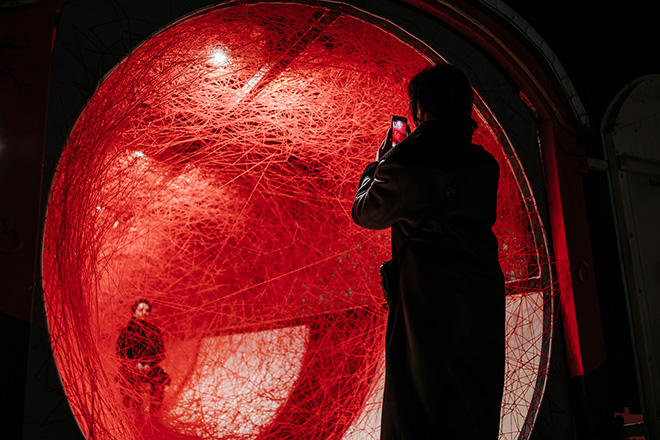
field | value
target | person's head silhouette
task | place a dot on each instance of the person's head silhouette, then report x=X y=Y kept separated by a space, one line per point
x=440 y=92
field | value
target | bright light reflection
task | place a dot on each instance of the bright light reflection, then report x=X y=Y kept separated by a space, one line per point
x=219 y=58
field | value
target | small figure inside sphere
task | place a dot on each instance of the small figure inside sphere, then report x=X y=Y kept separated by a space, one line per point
x=140 y=350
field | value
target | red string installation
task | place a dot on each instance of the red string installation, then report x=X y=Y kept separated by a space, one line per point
x=212 y=174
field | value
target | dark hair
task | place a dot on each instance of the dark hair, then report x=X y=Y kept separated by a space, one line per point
x=443 y=91
x=138 y=302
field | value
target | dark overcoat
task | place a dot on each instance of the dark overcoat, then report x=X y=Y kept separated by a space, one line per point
x=445 y=330
x=140 y=341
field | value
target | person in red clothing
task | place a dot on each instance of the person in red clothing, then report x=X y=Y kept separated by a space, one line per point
x=140 y=350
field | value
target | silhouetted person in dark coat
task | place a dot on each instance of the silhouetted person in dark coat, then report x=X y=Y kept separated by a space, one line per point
x=445 y=331
x=140 y=350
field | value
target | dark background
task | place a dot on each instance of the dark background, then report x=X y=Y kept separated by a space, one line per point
x=602 y=47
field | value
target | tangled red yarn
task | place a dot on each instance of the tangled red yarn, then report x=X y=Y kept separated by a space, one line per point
x=213 y=173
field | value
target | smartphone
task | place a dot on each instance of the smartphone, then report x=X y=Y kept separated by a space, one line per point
x=399 y=129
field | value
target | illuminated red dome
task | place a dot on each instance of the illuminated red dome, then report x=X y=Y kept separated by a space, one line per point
x=213 y=173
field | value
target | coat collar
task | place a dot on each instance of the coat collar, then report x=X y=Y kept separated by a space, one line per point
x=452 y=131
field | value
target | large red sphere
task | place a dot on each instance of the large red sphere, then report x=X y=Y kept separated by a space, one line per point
x=213 y=173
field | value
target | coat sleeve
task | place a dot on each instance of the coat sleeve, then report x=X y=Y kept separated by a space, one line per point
x=159 y=346
x=121 y=347
x=371 y=209
x=389 y=192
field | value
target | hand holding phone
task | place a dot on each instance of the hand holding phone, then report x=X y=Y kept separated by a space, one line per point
x=399 y=127
x=398 y=131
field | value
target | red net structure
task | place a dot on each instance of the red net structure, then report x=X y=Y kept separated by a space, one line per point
x=212 y=174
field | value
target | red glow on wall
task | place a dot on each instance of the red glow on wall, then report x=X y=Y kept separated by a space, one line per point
x=213 y=173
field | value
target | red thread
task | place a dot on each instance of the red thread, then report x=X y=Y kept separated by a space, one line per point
x=213 y=173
